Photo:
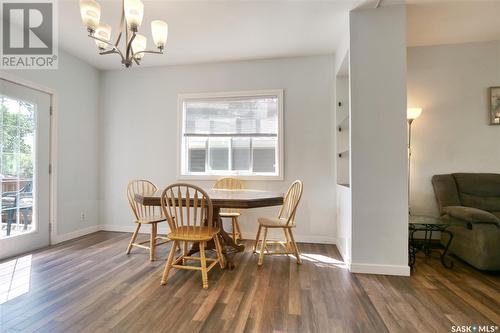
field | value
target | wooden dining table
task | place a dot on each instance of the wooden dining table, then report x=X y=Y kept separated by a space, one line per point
x=242 y=199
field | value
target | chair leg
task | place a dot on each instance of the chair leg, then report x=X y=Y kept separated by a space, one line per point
x=262 y=248
x=288 y=245
x=257 y=239
x=168 y=265
x=134 y=236
x=184 y=252
x=152 y=241
x=203 y=261
x=295 y=248
x=220 y=255
x=238 y=231
x=234 y=228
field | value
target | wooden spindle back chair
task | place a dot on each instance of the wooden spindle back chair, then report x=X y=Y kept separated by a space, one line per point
x=144 y=215
x=189 y=213
x=286 y=221
x=290 y=203
x=232 y=213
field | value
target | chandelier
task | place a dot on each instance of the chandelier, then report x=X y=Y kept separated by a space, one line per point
x=131 y=19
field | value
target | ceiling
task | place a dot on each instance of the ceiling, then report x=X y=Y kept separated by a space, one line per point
x=212 y=31
x=229 y=30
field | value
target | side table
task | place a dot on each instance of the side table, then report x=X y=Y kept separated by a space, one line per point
x=428 y=225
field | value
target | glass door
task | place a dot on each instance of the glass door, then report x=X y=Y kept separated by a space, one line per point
x=24 y=168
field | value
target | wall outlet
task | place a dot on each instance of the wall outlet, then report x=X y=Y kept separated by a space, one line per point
x=82 y=216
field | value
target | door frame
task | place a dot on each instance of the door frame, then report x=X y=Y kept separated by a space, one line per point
x=52 y=146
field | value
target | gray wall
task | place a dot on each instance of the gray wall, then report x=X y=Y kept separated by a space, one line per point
x=77 y=91
x=139 y=133
x=450 y=83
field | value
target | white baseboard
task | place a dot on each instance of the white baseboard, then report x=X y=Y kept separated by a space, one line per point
x=162 y=229
x=75 y=234
x=343 y=253
x=245 y=235
x=380 y=269
x=300 y=238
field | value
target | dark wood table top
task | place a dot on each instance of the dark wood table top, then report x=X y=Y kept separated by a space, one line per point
x=227 y=198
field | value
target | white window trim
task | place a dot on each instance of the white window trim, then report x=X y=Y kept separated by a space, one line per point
x=181 y=98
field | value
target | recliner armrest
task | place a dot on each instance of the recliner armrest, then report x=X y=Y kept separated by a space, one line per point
x=471 y=215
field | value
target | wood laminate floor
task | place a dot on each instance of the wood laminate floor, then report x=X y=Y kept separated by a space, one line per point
x=90 y=285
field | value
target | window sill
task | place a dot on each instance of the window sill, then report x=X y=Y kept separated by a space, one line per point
x=217 y=177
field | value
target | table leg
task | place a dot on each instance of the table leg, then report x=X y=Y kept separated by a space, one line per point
x=411 y=249
x=443 y=255
x=227 y=241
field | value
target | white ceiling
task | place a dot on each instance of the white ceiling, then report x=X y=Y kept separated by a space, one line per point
x=228 y=30
x=211 y=31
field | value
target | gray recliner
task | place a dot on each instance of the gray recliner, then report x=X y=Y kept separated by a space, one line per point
x=471 y=202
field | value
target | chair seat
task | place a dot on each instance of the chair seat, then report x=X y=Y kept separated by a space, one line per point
x=151 y=219
x=193 y=233
x=228 y=214
x=273 y=222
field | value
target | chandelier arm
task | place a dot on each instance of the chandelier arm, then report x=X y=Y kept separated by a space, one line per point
x=114 y=48
x=102 y=40
x=118 y=39
x=129 y=46
x=107 y=52
x=137 y=61
x=148 y=51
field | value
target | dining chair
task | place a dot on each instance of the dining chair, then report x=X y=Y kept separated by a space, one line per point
x=285 y=221
x=232 y=213
x=145 y=215
x=189 y=214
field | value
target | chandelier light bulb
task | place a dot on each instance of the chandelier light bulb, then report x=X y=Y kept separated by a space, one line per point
x=103 y=31
x=159 y=30
x=134 y=12
x=91 y=13
x=139 y=45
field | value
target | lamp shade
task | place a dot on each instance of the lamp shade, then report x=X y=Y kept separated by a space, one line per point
x=139 y=45
x=134 y=11
x=91 y=13
x=413 y=113
x=103 y=31
x=159 y=30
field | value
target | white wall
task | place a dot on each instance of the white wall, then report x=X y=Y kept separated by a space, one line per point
x=450 y=83
x=378 y=140
x=139 y=133
x=77 y=166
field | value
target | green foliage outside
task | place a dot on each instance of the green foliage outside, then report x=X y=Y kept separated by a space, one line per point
x=16 y=129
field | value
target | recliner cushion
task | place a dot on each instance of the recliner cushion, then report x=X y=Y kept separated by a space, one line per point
x=471 y=214
x=479 y=190
x=446 y=191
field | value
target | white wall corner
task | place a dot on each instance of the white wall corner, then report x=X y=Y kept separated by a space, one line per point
x=398 y=270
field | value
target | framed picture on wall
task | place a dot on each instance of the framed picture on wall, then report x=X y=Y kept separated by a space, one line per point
x=495 y=105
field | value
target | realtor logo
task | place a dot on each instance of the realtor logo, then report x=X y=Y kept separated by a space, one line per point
x=29 y=35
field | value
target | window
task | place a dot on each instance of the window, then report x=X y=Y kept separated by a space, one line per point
x=224 y=134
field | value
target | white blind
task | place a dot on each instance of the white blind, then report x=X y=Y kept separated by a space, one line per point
x=253 y=116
